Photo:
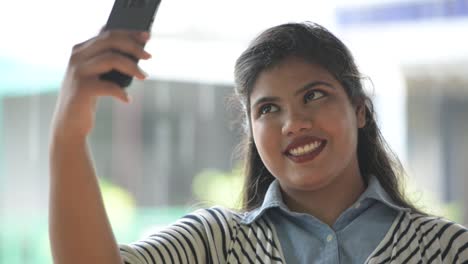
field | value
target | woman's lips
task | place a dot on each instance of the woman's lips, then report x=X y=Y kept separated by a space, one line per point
x=308 y=156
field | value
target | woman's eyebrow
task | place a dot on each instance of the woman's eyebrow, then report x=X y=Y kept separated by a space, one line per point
x=265 y=99
x=299 y=91
x=312 y=84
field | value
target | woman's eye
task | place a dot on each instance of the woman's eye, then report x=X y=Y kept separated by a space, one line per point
x=313 y=95
x=267 y=109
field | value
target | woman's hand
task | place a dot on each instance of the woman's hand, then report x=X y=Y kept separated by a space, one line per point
x=75 y=110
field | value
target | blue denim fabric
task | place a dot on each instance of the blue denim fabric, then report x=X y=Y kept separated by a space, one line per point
x=353 y=237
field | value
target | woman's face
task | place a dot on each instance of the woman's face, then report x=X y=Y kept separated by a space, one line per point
x=304 y=125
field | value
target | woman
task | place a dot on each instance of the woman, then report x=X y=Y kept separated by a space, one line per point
x=320 y=185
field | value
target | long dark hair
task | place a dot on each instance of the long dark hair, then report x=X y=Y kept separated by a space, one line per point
x=314 y=44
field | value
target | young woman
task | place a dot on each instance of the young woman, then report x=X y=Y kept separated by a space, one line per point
x=320 y=187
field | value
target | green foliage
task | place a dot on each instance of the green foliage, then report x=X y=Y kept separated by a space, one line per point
x=216 y=187
x=25 y=239
x=120 y=205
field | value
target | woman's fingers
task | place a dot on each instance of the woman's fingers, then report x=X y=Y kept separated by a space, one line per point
x=82 y=85
x=98 y=88
x=128 y=42
x=108 y=61
x=111 y=50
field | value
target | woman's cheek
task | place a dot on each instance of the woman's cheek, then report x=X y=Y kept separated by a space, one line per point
x=260 y=137
x=346 y=132
x=267 y=140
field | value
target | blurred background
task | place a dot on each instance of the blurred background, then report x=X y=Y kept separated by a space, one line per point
x=171 y=150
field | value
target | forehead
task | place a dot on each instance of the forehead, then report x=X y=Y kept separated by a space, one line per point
x=288 y=76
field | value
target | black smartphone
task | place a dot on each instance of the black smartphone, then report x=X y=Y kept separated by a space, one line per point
x=131 y=15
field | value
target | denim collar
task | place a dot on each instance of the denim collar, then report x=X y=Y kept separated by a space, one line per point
x=274 y=199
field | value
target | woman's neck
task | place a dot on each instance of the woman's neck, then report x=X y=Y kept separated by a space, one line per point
x=327 y=203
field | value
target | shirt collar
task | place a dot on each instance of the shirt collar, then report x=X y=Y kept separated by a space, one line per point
x=375 y=191
x=274 y=199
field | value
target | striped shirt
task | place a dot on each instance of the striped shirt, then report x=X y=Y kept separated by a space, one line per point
x=217 y=235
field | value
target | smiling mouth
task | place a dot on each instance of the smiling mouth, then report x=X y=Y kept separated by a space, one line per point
x=306 y=152
x=299 y=151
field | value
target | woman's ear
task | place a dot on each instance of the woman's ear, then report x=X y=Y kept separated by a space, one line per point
x=361 y=114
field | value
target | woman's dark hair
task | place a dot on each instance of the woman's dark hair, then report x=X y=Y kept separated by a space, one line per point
x=316 y=45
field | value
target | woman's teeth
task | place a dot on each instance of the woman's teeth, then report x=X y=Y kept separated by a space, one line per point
x=305 y=149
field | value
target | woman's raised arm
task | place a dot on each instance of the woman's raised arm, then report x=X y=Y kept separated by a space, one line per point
x=80 y=231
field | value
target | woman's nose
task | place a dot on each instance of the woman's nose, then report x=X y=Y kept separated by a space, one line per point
x=295 y=123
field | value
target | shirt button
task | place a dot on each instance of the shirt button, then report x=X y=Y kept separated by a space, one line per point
x=329 y=238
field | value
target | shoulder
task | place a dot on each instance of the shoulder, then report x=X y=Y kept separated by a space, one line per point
x=434 y=226
x=212 y=223
x=216 y=215
x=445 y=238
x=199 y=237
x=427 y=238
x=236 y=240
x=230 y=224
x=210 y=235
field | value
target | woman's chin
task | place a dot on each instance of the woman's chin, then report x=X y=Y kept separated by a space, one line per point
x=308 y=183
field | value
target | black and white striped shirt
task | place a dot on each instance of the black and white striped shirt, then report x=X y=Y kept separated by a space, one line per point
x=217 y=235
